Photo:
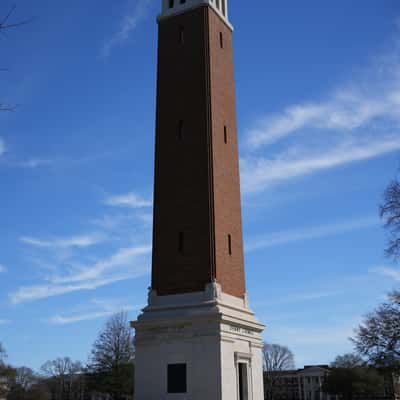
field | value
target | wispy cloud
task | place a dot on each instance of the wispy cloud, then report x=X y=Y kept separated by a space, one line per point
x=130 y=200
x=315 y=336
x=258 y=173
x=34 y=163
x=92 y=273
x=128 y=25
x=296 y=298
x=372 y=95
x=122 y=265
x=3 y=269
x=358 y=121
x=346 y=111
x=74 y=241
x=309 y=233
x=96 y=310
x=390 y=272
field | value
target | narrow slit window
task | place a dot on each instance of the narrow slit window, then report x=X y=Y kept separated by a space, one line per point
x=180 y=130
x=243 y=382
x=225 y=134
x=181 y=35
x=171 y=3
x=230 y=245
x=217 y=3
x=221 y=40
x=224 y=7
x=181 y=244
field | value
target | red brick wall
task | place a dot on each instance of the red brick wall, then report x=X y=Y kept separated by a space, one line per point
x=196 y=176
x=227 y=208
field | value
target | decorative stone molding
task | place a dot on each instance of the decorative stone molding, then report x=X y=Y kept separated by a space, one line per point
x=175 y=7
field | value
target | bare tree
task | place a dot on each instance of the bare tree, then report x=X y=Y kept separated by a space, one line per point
x=378 y=337
x=390 y=213
x=277 y=358
x=5 y=25
x=3 y=354
x=62 y=374
x=112 y=358
x=25 y=378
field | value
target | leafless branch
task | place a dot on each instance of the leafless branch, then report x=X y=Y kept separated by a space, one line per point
x=5 y=25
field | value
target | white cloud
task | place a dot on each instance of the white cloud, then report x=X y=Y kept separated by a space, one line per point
x=34 y=163
x=393 y=273
x=2 y=147
x=97 y=309
x=75 y=241
x=296 y=298
x=356 y=122
x=309 y=233
x=120 y=258
x=318 y=337
x=258 y=173
x=372 y=95
x=130 y=200
x=71 y=319
x=122 y=265
x=3 y=269
x=127 y=27
x=346 y=111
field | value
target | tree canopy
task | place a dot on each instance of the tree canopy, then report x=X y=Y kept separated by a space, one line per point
x=378 y=337
x=390 y=213
x=112 y=358
x=351 y=383
x=349 y=360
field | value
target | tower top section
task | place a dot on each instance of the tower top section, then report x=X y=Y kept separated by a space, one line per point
x=174 y=7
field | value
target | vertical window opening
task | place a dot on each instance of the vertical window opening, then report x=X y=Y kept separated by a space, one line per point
x=224 y=7
x=177 y=379
x=181 y=244
x=230 y=244
x=180 y=130
x=243 y=382
x=181 y=35
x=225 y=134
x=217 y=3
x=171 y=3
x=221 y=40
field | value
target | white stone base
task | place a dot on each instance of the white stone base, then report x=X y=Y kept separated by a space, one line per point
x=212 y=333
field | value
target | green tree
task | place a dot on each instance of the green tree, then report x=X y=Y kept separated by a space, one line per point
x=111 y=364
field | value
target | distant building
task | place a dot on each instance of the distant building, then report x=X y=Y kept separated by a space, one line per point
x=303 y=384
x=306 y=384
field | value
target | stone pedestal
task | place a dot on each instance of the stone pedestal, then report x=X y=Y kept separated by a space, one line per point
x=198 y=346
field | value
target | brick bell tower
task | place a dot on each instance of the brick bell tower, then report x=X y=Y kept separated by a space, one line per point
x=197 y=339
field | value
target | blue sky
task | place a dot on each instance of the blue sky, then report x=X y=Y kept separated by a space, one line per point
x=318 y=94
